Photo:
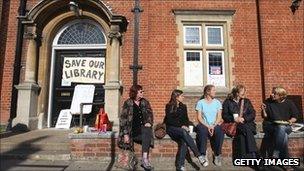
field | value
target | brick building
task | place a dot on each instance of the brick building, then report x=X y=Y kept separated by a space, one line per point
x=182 y=44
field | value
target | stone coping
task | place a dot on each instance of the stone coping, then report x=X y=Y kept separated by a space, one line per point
x=109 y=135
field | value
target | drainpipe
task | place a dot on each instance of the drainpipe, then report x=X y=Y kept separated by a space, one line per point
x=135 y=67
x=261 y=53
x=17 y=62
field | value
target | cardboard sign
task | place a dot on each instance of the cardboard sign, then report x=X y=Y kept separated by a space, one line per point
x=82 y=94
x=83 y=70
x=64 y=119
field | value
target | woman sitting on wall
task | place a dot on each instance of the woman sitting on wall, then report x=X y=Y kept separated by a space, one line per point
x=135 y=123
x=209 y=114
x=177 y=123
x=244 y=144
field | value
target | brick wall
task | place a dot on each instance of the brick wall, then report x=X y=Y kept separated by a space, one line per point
x=100 y=148
x=10 y=13
x=158 y=46
x=283 y=47
x=282 y=34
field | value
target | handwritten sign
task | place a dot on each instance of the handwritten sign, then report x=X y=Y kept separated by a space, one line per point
x=83 y=70
x=82 y=94
x=64 y=119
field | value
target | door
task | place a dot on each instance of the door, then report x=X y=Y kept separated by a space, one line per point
x=63 y=90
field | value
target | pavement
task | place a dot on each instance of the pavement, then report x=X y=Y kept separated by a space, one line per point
x=93 y=165
x=55 y=165
x=48 y=150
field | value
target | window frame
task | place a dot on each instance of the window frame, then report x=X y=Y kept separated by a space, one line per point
x=222 y=35
x=200 y=35
x=204 y=18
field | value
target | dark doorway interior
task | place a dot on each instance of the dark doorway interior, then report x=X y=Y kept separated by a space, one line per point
x=62 y=95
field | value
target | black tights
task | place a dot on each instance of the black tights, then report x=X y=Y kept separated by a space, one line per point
x=144 y=138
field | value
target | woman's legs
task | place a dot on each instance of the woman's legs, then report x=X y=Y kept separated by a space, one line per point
x=217 y=140
x=201 y=137
x=181 y=154
x=180 y=133
x=146 y=133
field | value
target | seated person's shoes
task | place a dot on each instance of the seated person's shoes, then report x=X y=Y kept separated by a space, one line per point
x=146 y=165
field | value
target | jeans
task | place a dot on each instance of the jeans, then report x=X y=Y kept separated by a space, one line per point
x=281 y=140
x=216 y=140
x=184 y=140
x=144 y=138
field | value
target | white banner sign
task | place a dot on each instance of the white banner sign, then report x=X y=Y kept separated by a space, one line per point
x=82 y=94
x=83 y=70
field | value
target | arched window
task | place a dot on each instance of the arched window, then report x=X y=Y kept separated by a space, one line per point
x=82 y=33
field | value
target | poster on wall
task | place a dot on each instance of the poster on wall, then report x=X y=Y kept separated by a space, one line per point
x=83 y=70
x=215 y=70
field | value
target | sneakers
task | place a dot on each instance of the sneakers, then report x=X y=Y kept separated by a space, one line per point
x=218 y=160
x=203 y=160
x=146 y=165
x=182 y=168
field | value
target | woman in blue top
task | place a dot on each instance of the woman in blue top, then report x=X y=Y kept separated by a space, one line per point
x=209 y=115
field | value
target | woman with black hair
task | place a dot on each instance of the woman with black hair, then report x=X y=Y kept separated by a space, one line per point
x=177 y=123
x=135 y=123
x=244 y=144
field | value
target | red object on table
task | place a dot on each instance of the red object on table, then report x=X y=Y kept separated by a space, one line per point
x=102 y=122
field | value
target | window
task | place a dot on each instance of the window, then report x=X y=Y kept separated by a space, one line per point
x=82 y=33
x=204 y=48
x=193 y=68
x=216 y=67
x=213 y=51
x=214 y=35
x=192 y=35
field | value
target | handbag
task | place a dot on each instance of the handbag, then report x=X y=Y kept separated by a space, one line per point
x=160 y=131
x=230 y=128
x=126 y=160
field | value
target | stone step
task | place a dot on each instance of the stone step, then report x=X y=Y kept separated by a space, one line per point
x=36 y=154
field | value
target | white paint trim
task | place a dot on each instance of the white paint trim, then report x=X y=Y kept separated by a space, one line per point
x=50 y=103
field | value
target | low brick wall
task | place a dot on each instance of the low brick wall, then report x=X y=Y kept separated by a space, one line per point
x=87 y=146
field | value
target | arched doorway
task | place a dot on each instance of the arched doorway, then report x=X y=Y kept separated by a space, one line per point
x=78 y=57
x=44 y=24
